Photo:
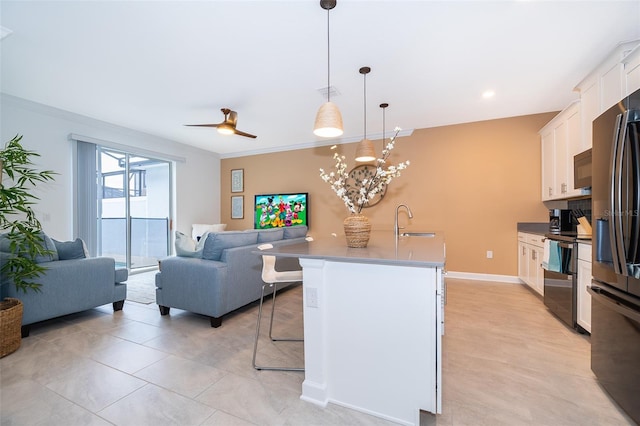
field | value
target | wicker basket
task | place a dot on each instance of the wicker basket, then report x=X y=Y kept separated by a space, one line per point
x=357 y=230
x=10 y=325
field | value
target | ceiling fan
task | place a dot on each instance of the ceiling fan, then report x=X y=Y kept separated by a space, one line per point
x=228 y=126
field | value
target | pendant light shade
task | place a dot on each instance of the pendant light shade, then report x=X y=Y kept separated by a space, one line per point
x=365 y=152
x=328 y=119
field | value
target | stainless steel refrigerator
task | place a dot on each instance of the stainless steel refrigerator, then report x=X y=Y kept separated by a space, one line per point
x=615 y=289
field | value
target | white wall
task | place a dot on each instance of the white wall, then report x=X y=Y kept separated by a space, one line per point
x=46 y=130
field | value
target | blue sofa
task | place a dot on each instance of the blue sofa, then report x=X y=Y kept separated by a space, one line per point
x=73 y=282
x=223 y=274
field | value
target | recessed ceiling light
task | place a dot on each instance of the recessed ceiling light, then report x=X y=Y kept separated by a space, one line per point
x=488 y=94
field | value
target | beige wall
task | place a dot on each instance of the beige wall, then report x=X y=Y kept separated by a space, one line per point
x=472 y=181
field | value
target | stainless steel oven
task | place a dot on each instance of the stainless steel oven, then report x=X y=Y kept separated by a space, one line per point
x=560 y=281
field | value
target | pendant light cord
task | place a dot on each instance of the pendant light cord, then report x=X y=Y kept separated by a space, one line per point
x=384 y=123
x=328 y=60
x=365 y=105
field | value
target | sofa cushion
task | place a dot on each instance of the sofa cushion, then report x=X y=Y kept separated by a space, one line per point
x=187 y=246
x=295 y=232
x=216 y=242
x=269 y=235
x=70 y=249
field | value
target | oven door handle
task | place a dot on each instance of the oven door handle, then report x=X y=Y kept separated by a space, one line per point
x=601 y=296
x=565 y=245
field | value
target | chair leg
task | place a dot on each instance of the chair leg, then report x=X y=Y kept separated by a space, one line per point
x=273 y=308
x=255 y=344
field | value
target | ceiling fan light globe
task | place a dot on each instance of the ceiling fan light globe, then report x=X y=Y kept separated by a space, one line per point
x=365 y=151
x=225 y=129
x=328 y=121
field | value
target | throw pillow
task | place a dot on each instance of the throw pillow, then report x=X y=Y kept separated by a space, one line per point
x=217 y=242
x=198 y=229
x=5 y=247
x=70 y=249
x=270 y=235
x=295 y=232
x=187 y=247
x=48 y=245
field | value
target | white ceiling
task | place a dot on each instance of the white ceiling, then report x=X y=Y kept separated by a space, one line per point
x=153 y=66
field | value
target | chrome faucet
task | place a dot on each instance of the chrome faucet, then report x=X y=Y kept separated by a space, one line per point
x=398 y=228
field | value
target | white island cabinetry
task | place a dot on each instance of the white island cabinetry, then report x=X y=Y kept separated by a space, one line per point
x=373 y=324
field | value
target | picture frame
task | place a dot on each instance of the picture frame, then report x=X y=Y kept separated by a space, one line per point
x=237 y=180
x=237 y=207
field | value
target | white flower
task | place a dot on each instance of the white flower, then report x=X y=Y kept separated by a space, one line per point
x=368 y=187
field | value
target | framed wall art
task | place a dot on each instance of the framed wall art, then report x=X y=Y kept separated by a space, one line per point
x=237 y=180
x=237 y=207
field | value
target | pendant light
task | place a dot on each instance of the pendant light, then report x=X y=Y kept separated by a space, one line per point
x=328 y=119
x=365 y=151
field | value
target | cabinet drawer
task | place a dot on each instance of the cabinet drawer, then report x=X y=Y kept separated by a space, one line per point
x=522 y=237
x=584 y=252
x=535 y=240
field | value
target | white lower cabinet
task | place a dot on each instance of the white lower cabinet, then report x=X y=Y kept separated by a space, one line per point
x=584 y=281
x=530 y=253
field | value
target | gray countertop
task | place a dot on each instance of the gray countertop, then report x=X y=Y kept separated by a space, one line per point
x=382 y=249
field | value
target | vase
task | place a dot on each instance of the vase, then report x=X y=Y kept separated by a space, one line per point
x=357 y=230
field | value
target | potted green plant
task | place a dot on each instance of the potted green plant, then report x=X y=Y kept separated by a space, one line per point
x=23 y=232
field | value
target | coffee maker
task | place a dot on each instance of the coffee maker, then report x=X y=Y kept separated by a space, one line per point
x=561 y=220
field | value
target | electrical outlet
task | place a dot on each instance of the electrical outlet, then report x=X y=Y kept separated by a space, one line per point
x=489 y=254
x=312 y=297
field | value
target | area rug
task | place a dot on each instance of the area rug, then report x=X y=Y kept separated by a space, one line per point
x=141 y=288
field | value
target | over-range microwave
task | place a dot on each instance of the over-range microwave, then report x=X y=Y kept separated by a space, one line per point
x=582 y=170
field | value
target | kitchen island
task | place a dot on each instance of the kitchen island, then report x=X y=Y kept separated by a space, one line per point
x=373 y=321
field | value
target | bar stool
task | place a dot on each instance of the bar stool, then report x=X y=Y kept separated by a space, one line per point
x=271 y=279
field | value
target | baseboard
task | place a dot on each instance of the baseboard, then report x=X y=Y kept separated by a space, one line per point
x=510 y=279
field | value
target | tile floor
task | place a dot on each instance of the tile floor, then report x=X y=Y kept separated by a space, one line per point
x=507 y=361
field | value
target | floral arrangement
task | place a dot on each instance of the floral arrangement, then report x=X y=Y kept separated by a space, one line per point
x=368 y=187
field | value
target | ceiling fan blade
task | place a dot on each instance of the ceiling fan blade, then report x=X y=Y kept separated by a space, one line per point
x=248 y=135
x=203 y=125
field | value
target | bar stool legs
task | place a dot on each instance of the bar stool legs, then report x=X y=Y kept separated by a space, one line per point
x=255 y=345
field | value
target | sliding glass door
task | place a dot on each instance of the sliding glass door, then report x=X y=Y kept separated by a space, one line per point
x=133 y=208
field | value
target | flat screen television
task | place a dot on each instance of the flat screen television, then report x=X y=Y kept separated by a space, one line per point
x=280 y=210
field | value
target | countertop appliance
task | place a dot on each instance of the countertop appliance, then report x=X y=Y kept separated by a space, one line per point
x=615 y=289
x=560 y=277
x=561 y=220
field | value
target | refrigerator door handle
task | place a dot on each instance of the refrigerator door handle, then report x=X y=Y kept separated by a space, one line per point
x=631 y=134
x=615 y=223
x=601 y=296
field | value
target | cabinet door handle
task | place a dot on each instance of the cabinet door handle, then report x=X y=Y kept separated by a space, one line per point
x=533 y=254
x=549 y=191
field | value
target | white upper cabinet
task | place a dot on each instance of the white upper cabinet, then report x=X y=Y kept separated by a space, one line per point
x=571 y=132
x=632 y=71
x=607 y=85
x=561 y=140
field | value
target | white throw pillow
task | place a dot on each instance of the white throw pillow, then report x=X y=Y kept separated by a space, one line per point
x=187 y=247
x=198 y=229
